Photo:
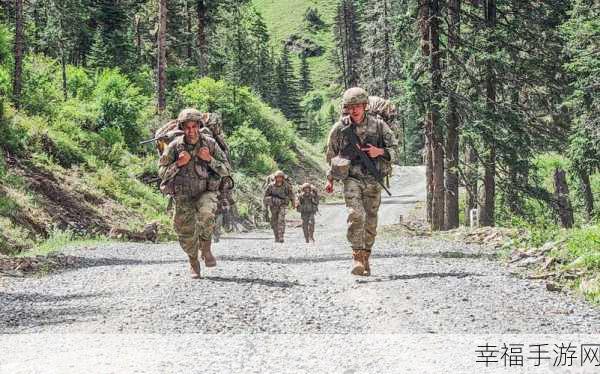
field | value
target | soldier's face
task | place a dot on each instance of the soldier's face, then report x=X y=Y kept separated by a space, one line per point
x=306 y=190
x=356 y=112
x=191 y=131
x=279 y=181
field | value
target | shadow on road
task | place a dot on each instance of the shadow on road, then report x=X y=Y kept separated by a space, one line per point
x=389 y=278
x=333 y=258
x=258 y=281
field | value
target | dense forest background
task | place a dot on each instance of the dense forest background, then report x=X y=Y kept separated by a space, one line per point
x=499 y=99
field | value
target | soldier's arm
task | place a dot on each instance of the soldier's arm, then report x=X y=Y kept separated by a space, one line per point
x=333 y=147
x=167 y=167
x=219 y=163
x=390 y=143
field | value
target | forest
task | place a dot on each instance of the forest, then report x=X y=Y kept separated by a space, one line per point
x=499 y=99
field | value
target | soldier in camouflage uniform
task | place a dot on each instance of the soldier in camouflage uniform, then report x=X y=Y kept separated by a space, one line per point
x=191 y=169
x=362 y=193
x=308 y=205
x=278 y=196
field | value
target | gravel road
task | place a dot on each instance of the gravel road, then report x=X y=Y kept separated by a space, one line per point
x=419 y=286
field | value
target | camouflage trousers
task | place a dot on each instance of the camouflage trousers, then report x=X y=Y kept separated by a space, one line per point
x=308 y=225
x=362 y=200
x=194 y=220
x=278 y=221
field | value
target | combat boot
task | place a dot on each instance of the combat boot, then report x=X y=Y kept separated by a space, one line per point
x=367 y=265
x=358 y=266
x=209 y=260
x=194 y=267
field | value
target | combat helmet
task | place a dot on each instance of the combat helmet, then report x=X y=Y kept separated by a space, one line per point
x=355 y=95
x=279 y=173
x=189 y=114
x=306 y=185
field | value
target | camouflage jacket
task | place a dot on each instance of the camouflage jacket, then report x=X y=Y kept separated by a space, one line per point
x=279 y=195
x=308 y=202
x=218 y=166
x=373 y=130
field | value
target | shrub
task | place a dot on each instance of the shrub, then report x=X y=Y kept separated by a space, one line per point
x=42 y=91
x=250 y=149
x=120 y=105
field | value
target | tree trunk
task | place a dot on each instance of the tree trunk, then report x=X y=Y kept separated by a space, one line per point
x=487 y=211
x=561 y=194
x=387 y=52
x=202 y=19
x=17 y=83
x=437 y=141
x=162 y=55
x=588 y=196
x=427 y=152
x=452 y=138
x=471 y=176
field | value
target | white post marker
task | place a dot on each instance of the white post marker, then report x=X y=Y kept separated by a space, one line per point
x=474 y=218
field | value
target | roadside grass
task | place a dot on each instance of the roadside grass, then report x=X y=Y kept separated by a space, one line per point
x=60 y=240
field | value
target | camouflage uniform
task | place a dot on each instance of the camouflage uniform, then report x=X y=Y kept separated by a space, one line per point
x=308 y=205
x=362 y=193
x=194 y=187
x=277 y=198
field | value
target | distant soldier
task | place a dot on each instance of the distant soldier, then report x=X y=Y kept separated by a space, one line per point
x=191 y=169
x=226 y=208
x=278 y=195
x=308 y=205
x=362 y=191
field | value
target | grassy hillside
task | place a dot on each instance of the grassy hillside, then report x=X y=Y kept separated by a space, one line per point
x=286 y=17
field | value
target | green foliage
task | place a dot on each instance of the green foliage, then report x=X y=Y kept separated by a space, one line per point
x=250 y=150
x=239 y=106
x=583 y=246
x=42 y=92
x=120 y=105
x=79 y=83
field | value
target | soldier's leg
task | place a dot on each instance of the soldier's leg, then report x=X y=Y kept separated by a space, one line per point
x=206 y=208
x=184 y=222
x=274 y=217
x=306 y=226
x=281 y=223
x=353 y=192
x=371 y=203
x=311 y=227
x=356 y=213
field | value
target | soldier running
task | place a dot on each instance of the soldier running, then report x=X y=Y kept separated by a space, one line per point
x=191 y=169
x=278 y=195
x=362 y=190
x=308 y=205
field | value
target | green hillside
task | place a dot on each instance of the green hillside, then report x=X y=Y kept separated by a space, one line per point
x=286 y=17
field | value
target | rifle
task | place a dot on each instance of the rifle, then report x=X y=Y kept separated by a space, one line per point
x=163 y=136
x=367 y=162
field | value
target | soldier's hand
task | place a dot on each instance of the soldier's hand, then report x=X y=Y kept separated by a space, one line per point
x=183 y=159
x=329 y=186
x=204 y=154
x=373 y=151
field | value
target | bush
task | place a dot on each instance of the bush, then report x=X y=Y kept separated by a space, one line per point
x=79 y=84
x=42 y=91
x=120 y=105
x=250 y=149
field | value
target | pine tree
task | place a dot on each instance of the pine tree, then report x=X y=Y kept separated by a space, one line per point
x=378 y=61
x=287 y=88
x=348 y=43
x=305 y=84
